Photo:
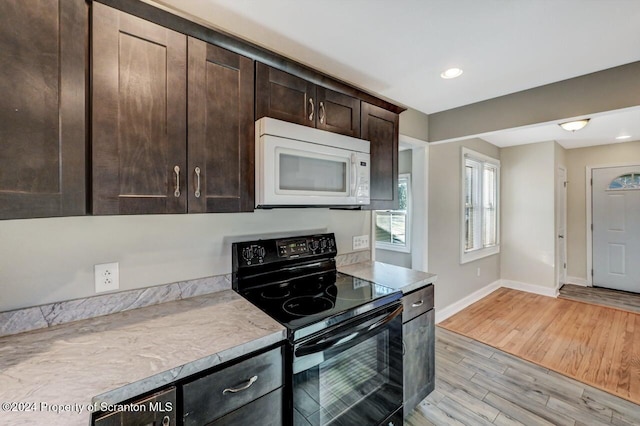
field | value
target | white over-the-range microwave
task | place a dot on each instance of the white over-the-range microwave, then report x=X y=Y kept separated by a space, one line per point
x=299 y=166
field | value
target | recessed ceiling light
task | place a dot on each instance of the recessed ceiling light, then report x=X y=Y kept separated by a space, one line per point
x=451 y=73
x=623 y=137
x=572 y=126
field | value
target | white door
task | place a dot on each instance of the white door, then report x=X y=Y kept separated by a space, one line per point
x=616 y=227
x=561 y=227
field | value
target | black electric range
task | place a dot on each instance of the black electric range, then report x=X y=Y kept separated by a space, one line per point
x=343 y=355
x=294 y=280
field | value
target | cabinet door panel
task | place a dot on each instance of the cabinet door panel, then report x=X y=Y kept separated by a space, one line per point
x=139 y=115
x=380 y=127
x=338 y=113
x=284 y=96
x=221 y=129
x=43 y=57
x=419 y=359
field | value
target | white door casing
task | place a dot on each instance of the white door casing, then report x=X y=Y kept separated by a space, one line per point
x=561 y=227
x=616 y=231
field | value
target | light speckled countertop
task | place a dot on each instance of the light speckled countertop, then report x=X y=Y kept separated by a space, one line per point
x=395 y=277
x=117 y=357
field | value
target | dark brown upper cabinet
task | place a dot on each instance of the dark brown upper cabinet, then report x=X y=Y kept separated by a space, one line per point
x=290 y=98
x=43 y=57
x=138 y=115
x=145 y=77
x=380 y=127
x=221 y=130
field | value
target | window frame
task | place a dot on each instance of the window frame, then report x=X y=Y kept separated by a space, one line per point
x=467 y=256
x=407 y=221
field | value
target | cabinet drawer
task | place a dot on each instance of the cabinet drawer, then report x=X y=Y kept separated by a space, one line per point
x=264 y=411
x=211 y=397
x=416 y=303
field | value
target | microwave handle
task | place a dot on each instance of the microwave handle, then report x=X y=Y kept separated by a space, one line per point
x=349 y=338
x=354 y=174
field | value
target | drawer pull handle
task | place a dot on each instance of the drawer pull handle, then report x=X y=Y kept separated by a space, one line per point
x=417 y=304
x=166 y=421
x=197 y=193
x=241 y=388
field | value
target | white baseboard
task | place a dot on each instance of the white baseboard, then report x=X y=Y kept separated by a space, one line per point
x=577 y=281
x=530 y=288
x=454 y=308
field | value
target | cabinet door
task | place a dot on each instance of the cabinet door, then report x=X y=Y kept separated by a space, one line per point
x=380 y=127
x=337 y=112
x=419 y=359
x=43 y=57
x=284 y=96
x=138 y=116
x=221 y=130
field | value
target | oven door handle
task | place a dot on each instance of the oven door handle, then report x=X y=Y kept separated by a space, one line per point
x=349 y=337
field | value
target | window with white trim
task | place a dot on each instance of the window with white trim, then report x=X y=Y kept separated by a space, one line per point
x=393 y=226
x=480 y=206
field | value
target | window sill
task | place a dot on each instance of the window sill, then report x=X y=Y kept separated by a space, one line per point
x=470 y=256
x=393 y=247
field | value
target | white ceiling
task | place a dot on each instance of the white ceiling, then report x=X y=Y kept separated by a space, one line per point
x=398 y=48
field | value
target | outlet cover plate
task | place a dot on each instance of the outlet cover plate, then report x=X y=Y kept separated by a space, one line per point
x=107 y=277
x=360 y=242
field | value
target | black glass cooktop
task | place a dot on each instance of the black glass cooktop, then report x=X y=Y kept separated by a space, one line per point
x=301 y=302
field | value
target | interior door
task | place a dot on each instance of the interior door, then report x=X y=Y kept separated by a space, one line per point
x=616 y=228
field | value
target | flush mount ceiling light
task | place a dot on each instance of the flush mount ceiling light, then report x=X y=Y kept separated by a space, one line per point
x=623 y=137
x=572 y=126
x=451 y=73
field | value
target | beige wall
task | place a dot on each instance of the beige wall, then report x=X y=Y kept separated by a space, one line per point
x=528 y=214
x=455 y=281
x=577 y=162
x=607 y=90
x=414 y=124
x=49 y=260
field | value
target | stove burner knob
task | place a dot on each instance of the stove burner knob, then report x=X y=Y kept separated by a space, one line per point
x=247 y=253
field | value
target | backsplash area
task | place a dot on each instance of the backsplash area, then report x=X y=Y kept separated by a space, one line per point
x=48 y=315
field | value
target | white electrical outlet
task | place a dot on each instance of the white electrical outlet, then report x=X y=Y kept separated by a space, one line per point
x=107 y=277
x=361 y=242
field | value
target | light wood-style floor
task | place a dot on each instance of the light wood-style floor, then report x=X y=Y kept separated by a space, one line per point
x=602 y=296
x=595 y=345
x=479 y=385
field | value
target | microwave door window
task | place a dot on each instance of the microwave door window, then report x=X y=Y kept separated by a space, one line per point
x=308 y=174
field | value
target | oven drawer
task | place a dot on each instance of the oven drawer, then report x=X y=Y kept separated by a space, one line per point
x=219 y=393
x=416 y=303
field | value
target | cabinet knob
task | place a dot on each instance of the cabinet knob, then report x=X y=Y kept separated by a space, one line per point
x=176 y=193
x=311 y=109
x=166 y=421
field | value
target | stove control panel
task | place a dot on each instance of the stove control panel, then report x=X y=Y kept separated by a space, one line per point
x=264 y=252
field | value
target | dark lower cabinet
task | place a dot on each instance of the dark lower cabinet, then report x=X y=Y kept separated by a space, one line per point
x=138 y=115
x=380 y=127
x=419 y=359
x=157 y=410
x=264 y=411
x=43 y=63
x=220 y=130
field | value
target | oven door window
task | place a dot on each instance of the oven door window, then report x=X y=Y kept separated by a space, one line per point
x=301 y=173
x=353 y=378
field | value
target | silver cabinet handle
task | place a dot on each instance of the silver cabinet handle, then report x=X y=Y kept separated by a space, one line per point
x=241 y=388
x=311 y=108
x=176 y=193
x=197 y=193
x=417 y=304
x=166 y=420
x=321 y=112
